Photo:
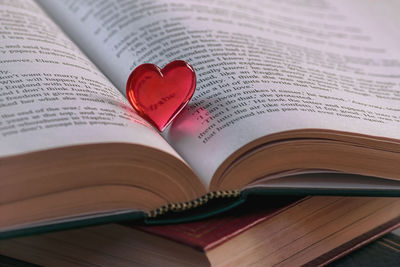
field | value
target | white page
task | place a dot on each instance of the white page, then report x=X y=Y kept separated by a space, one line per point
x=262 y=66
x=51 y=95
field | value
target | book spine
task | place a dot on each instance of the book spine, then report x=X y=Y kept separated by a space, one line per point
x=198 y=202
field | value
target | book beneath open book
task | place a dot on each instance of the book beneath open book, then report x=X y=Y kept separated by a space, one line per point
x=291 y=99
x=311 y=231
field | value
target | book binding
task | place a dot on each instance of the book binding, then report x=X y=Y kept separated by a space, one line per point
x=184 y=206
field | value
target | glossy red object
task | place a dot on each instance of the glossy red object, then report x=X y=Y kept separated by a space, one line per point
x=158 y=95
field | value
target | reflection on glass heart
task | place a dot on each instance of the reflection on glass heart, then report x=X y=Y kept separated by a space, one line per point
x=158 y=95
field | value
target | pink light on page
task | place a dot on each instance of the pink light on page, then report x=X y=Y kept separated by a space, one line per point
x=191 y=123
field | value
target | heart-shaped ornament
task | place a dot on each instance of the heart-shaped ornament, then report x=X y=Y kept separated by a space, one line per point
x=158 y=95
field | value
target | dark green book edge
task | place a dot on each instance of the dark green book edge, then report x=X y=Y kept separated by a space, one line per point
x=216 y=204
x=383 y=252
x=11 y=262
x=331 y=185
x=166 y=215
x=369 y=249
x=206 y=206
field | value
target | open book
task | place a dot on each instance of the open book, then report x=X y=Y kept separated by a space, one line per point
x=290 y=99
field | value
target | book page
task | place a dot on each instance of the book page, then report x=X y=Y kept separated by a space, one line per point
x=262 y=66
x=51 y=95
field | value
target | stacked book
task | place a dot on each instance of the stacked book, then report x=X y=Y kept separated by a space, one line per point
x=287 y=154
x=310 y=231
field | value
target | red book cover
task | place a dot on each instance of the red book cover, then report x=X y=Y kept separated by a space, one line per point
x=209 y=233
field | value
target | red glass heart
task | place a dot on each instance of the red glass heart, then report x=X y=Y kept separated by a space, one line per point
x=158 y=95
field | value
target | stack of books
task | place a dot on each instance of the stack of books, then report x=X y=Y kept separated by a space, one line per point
x=383 y=252
x=287 y=154
x=310 y=231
